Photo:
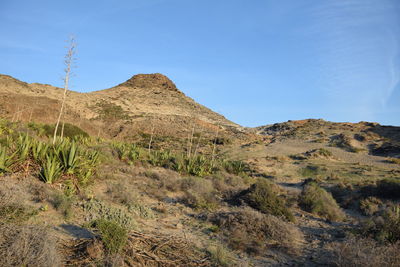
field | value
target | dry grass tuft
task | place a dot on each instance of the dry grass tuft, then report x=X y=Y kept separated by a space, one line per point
x=27 y=246
x=253 y=232
x=366 y=253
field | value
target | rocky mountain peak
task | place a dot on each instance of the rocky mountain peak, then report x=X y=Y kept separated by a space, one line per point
x=154 y=80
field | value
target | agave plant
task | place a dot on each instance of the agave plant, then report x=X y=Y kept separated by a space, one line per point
x=39 y=151
x=161 y=158
x=198 y=165
x=51 y=170
x=122 y=150
x=235 y=166
x=134 y=153
x=69 y=157
x=84 y=175
x=24 y=144
x=5 y=160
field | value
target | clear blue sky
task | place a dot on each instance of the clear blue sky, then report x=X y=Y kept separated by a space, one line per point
x=256 y=62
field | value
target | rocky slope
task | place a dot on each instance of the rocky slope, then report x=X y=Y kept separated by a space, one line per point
x=142 y=103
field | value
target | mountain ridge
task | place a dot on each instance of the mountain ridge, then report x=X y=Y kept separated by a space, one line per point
x=144 y=101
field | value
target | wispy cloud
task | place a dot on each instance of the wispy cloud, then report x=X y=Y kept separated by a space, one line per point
x=359 y=44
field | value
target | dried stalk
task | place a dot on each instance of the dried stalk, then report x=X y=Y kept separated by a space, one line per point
x=214 y=146
x=151 y=137
x=69 y=58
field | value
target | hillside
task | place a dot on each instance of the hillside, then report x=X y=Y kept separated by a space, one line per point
x=145 y=176
x=143 y=102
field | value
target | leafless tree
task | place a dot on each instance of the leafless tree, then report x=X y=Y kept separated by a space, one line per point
x=69 y=58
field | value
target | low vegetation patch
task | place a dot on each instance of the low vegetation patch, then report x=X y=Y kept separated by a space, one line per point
x=220 y=255
x=264 y=196
x=15 y=213
x=113 y=235
x=364 y=252
x=312 y=171
x=27 y=246
x=196 y=165
x=199 y=193
x=49 y=162
x=110 y=112
x=63 y=204
x=96 y=210
x=318 y=201
x=70 y=130
x=320 y=152
x=370 y=206
x=384 y=227
x=253 y=232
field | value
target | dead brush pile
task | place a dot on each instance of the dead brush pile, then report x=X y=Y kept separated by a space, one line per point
x=254 y=232
x=142 y=249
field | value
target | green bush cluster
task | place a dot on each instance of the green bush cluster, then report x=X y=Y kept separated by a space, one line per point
x=70 y=130
x=317 y=200
x=113 y=235
x=197 y=165
x=236 y=167
x=53 y=160
x=109 y=111
x=264 y=197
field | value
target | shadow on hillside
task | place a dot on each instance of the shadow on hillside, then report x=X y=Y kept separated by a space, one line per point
x=76 y=231
x=390 y=148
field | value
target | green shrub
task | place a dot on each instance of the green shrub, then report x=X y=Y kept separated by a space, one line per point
x=236 y=167
x=70 y=130
x=113 y=235
x=199 y=193
x=311 y=171
x=128 y=152
x=264 y=197
x=385 y=227
x=66 y=157
x=317 y=200
x=198 y=165
x=162 y=158
x=98 y=210
x=110 y=112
